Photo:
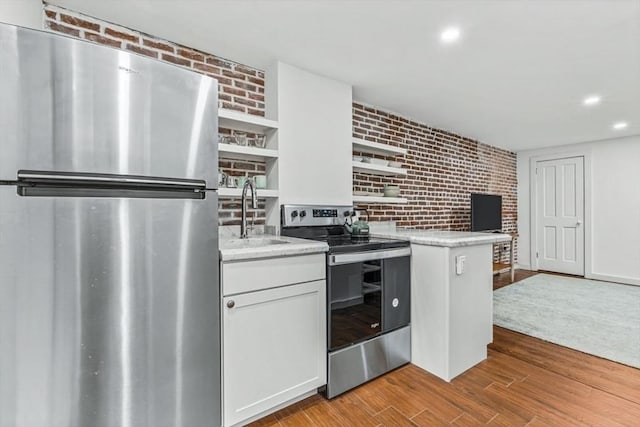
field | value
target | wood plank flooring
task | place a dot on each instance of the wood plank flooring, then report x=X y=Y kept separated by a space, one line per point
x=524 y=382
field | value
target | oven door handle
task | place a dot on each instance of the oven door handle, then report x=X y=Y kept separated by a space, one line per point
x=350 y=258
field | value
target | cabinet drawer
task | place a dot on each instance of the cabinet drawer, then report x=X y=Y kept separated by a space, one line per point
x=246 y=276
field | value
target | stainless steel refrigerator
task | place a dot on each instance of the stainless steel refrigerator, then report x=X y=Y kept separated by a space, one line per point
x=109 y=297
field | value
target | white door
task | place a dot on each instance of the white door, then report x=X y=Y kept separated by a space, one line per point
x=560 y=215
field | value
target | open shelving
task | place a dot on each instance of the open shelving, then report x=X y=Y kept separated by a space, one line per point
x=374 y=169
x=370 y=147
x=241 y=152
x=379 y=199
x=377 y=148
x=245 y=122
x=230 y=119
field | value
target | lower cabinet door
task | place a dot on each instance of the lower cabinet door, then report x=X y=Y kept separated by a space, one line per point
x=274 y=348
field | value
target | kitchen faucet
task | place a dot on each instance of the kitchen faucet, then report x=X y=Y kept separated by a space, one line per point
x=254 y=205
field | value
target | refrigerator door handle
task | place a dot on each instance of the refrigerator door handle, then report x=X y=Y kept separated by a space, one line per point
x=88 y=179
x=77 y=184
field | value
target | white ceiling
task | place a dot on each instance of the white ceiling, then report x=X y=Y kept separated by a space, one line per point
x=515 y=79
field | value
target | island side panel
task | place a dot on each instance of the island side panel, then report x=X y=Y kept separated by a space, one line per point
x=429 y=308
x=471 y=307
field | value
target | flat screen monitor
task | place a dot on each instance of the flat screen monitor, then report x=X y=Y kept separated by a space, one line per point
x=486 y=212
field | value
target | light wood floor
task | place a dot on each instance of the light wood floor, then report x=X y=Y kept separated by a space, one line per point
x=524 y=382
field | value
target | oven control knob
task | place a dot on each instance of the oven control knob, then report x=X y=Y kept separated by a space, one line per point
x=347 y=213
x=303 y=214
x=294 y=214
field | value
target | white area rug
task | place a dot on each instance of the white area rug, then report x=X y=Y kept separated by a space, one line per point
x=594 y=317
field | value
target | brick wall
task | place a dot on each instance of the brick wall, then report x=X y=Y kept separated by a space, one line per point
x=443 y=169
x=241 y=88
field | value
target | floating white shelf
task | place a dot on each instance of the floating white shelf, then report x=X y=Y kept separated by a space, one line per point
x=377 y=148
x=377 y=169
x=237 y=192
x=246 y=122
x=229 y=151
x=379 y=199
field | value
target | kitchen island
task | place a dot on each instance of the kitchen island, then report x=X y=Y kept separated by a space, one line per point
x=451 y=296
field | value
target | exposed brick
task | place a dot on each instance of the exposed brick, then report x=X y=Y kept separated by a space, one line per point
x=158 y=45
x=234 y=91
x=219 y=62
x=53 y=26
x=235 y=107
x=142 y=51
x=246 y=70
x=225 y=97
x=78 y=22
x=255 y=112
x=121 y=35
x=176 y=60
x=442 y=170
x=190 y=54
x=256 y=81
x=233 y=75
x=244 y=101
x=256 y=96
x=245 y=86
x=102 y=40
x=224 y=81
x=206 y=68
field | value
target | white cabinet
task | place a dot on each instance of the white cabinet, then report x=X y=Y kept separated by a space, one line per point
x=273 y=339
x=451 y=309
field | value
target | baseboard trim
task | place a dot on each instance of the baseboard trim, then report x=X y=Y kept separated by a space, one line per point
x=276 y=408
x=615 y=279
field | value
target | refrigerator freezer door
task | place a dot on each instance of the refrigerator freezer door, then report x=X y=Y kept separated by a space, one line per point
x=109 y=312
x=73 y=106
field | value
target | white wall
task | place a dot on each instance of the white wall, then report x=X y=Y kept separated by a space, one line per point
x=314 y=138
x=26 y=13
x=612 y=207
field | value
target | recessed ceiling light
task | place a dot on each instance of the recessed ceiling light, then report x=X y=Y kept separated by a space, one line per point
x=620 y=125
x=591 y=100
x=450 y=35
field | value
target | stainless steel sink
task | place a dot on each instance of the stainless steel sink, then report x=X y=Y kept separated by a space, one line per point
x=251 y=242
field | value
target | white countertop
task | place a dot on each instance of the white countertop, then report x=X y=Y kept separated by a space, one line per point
x=266 y=246
x=441 y=237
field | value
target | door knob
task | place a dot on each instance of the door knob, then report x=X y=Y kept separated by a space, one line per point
x=231 y=303
x=579 y=222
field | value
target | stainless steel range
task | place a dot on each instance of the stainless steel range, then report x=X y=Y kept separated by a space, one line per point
x=368 y=296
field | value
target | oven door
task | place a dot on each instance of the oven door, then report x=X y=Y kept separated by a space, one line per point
x=356 y=295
